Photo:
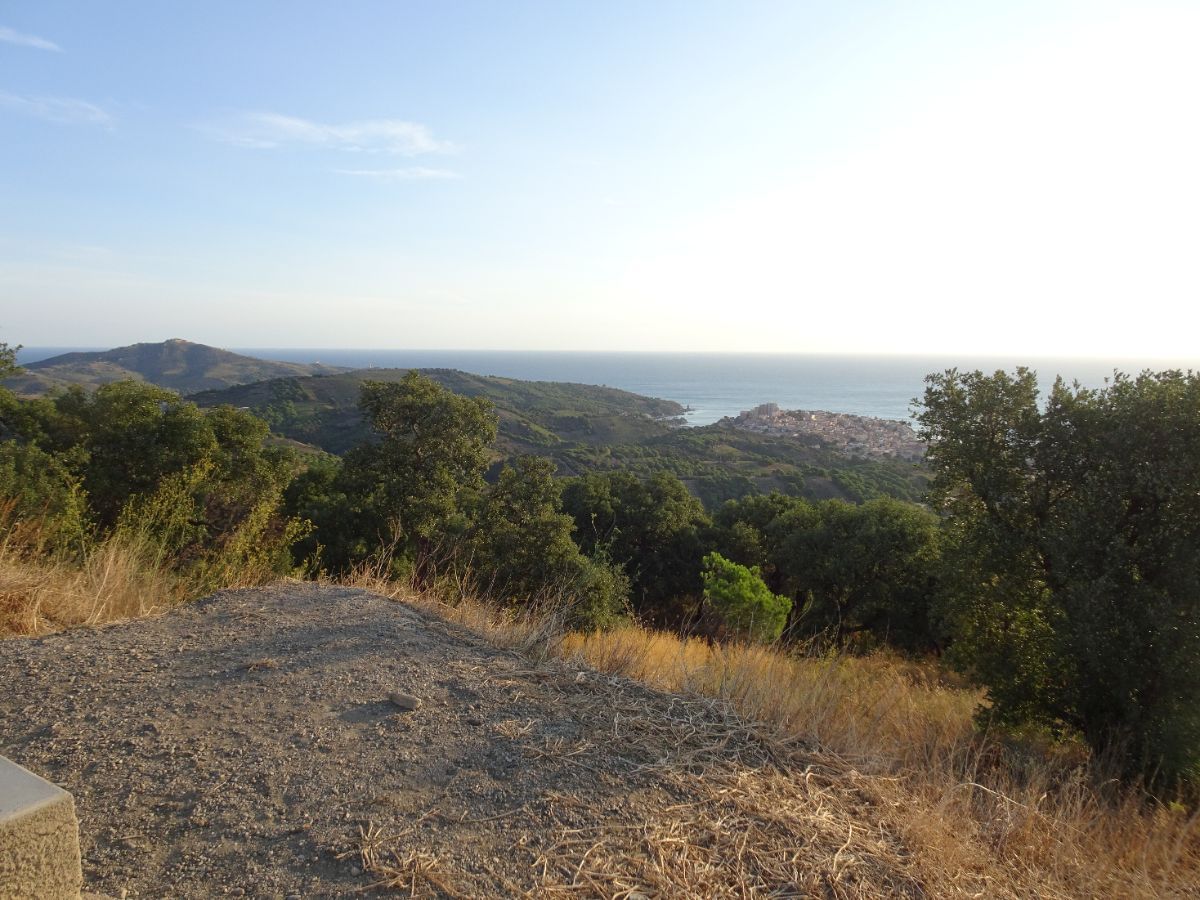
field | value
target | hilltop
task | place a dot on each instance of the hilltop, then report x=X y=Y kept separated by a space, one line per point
x=175 y=364
x=247 y=745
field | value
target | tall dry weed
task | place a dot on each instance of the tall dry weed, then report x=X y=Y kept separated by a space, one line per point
x=126 y=575
x=112 y=580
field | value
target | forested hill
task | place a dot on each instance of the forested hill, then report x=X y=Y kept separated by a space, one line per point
x=585 y=428
x=535 y=416
x=175 y=364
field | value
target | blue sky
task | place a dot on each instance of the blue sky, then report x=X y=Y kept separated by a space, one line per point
x=876 y=177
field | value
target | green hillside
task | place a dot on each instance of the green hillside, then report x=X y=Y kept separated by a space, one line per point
x=175 y=364
x=719 y=462
x=542 y=417
x=585 y=428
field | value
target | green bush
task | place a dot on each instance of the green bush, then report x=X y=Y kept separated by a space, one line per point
x=743 y=603
x=42 y=502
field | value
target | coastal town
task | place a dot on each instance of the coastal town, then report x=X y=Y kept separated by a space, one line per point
x=853 y=435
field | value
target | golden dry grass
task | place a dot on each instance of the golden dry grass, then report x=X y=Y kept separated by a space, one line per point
x=979 y=818
x=114 y=580
x=754 y=833
x=124 y=576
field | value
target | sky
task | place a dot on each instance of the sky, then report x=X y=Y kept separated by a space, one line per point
x=873 y=177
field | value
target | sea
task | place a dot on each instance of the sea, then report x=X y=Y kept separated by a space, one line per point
x=714 y=385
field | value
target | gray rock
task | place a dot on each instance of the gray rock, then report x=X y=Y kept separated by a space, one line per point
x=406 y=702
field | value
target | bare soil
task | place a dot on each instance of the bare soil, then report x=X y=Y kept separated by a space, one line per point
x=246 y=745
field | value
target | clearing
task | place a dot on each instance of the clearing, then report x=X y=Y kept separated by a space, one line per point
x=246 y=745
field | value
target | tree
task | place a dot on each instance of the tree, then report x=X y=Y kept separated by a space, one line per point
x=8 y=360
x=320 y=494
x=523 y=539
x=133 y=435
x=523 y=548
x=1075 y=594
x=425 y=464
x=653 y=529
x=42 y=503
x=868 y=569
x=852 y=570
x=756 y=530
x=741 y=601
x=200 y=487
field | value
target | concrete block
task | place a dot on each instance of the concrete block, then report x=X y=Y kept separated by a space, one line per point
x=39 y=838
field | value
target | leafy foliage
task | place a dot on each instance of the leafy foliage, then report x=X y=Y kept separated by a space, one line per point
x=653 y=529
x=42 y=502
x=853 y=571
x=523 y=547
x=8 y=360
x=862 y=570
x=1073 y=534
x=414 y=482
x=742 y=602
x=199 y=486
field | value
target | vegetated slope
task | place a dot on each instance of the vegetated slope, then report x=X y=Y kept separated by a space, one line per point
x=719 y=462
x=247 y=744
x=176 y=364
x=535 y=416
x=588 y=428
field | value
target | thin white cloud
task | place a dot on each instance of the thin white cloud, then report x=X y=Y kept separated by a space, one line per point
x=410 y=173
x=9 y=36
x=385 y=136
x=64 y=110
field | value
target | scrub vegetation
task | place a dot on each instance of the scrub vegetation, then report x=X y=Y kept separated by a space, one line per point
x=1013 y=662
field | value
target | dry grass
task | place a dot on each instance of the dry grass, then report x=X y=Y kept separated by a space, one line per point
x=124 y=576
x=903 y=784
x=1021 y=821
x=116 y=579
x=978 y=817
x=414 y=872
x=753 y=820
x=751 y=834
x=533 y=632
x=874 y=712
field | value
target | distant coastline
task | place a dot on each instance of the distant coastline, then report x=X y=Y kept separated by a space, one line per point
x=712 y=386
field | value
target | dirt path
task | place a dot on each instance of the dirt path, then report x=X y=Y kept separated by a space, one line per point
x=246 y=745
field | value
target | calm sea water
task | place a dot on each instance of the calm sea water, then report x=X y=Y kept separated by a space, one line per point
x=716 y=384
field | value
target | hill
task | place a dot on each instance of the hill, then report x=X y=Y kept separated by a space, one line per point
x=247 y=745
x=175 y=364
x=585 y=428
x=542 y=417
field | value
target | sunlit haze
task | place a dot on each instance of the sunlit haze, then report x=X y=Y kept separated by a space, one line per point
x=977 y=178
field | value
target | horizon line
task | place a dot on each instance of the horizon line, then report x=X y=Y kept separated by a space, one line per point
x=914 y=354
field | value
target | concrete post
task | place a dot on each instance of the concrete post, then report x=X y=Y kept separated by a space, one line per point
x=39 y=838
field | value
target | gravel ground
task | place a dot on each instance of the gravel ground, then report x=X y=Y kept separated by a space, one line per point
x=250 y=745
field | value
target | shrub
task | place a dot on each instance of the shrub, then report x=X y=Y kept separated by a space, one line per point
x=740 y=599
